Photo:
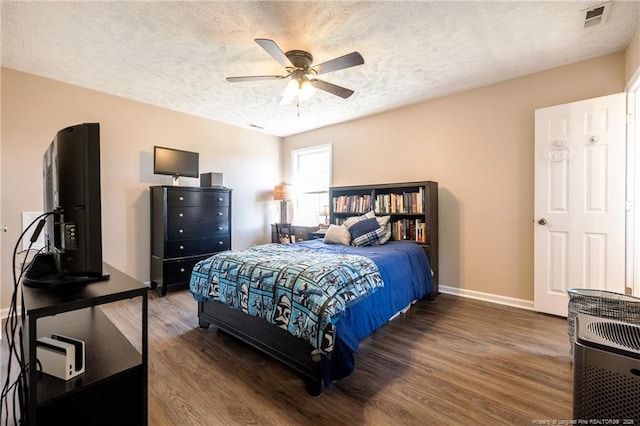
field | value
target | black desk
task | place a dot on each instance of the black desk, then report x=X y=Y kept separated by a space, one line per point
x=113 y=388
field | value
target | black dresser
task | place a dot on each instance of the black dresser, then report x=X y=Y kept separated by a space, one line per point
x=188 y=224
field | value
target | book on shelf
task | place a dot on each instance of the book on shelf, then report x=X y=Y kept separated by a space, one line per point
x=409 y=229
x=352 y=204
x=400 y=203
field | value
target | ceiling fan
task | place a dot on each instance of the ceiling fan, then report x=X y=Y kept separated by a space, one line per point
x=298 y=65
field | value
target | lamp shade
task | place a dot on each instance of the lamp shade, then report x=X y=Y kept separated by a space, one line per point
x=282 y=192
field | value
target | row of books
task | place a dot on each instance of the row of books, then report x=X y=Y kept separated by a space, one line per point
x=352 y=204
x=406 y=202
x=409 y=229
x=403 y=229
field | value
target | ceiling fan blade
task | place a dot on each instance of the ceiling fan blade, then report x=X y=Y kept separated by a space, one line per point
x=272 y=49
x=346 y=61
x=334 y=89
x=255 y=78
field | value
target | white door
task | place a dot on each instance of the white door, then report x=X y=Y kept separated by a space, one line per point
x=579 y=217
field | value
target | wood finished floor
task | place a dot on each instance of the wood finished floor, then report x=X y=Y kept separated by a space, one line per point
x=454 y=361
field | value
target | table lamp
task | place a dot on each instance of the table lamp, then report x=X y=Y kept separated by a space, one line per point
x=282 y=193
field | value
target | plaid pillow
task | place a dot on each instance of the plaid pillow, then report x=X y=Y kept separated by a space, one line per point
x=366 y=232
x=371 y=238
x=355 y=219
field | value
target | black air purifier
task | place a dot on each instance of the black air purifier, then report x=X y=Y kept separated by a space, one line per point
x=606 y=370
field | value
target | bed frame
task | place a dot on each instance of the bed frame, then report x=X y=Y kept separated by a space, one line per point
x=272 y=340
x=269 y=339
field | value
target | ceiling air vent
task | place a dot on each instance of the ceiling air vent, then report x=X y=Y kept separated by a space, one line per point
x=597 y=15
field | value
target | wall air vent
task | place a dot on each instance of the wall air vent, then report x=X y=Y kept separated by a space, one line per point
x=597 y=15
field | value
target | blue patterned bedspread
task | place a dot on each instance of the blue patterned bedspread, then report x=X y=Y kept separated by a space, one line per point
x=292 y=286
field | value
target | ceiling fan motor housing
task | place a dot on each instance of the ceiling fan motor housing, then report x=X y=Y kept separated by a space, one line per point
x=300 y=58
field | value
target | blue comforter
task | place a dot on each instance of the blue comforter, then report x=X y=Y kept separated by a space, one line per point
x=295 y=287
x=406 y=273
x=404 y=269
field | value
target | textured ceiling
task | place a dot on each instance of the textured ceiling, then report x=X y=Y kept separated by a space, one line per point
x=177 y=54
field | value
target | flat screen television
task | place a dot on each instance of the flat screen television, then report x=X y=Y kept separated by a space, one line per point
x=73 y=229
x=175 y=162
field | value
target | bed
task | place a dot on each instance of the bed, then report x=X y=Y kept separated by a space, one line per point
x=309 y=304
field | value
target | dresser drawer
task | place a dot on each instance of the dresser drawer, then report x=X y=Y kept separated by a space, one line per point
x=191 y=214
x=189 y=231
x=179 y=271
x=182 y=197
x=185 y=248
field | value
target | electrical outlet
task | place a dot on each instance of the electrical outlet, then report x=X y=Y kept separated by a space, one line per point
x=628 y=291
x=27 y=218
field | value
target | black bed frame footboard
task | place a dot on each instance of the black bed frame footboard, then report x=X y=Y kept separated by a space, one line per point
x=273 y=341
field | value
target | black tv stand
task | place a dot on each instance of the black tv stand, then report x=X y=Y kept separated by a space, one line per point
x=44 y=273
x=113 y=388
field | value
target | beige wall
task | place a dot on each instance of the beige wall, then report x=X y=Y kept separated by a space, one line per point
x=478 y=145
x=34 y=109
x=632 y=57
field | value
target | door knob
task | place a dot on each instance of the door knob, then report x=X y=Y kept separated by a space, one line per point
x=542 y=221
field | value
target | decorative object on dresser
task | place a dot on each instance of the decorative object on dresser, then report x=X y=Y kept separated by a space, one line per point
x=188 y=224
x=412 y=208
x=283 y=194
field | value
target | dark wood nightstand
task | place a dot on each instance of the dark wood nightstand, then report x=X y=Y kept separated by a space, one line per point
x=317 y=234
x=300 y=233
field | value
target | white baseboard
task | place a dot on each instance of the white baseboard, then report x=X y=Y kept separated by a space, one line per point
x=487 y=297
x=4 y=313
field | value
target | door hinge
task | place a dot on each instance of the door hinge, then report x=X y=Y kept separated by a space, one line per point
x=630 y=118
x=628 y=205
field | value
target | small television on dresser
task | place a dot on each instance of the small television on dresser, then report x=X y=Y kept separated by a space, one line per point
x=175 y=163
x=72 y=205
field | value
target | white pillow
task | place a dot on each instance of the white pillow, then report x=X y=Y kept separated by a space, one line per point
x=383 y=220
x=337 y=234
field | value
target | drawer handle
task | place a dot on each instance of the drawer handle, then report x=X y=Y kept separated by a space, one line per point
x=181 y=247
x=180 y=231
x=220 y=228
x=220 y=242
x=181 y=269
x=220 y=199
x=181 y=198
x=180 y=215
x=219 y=213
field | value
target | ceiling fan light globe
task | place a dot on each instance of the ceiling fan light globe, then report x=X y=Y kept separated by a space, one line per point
x=290 y=92
x=306 y=91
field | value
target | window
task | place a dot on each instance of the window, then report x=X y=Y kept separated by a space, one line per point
x=311 y=173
